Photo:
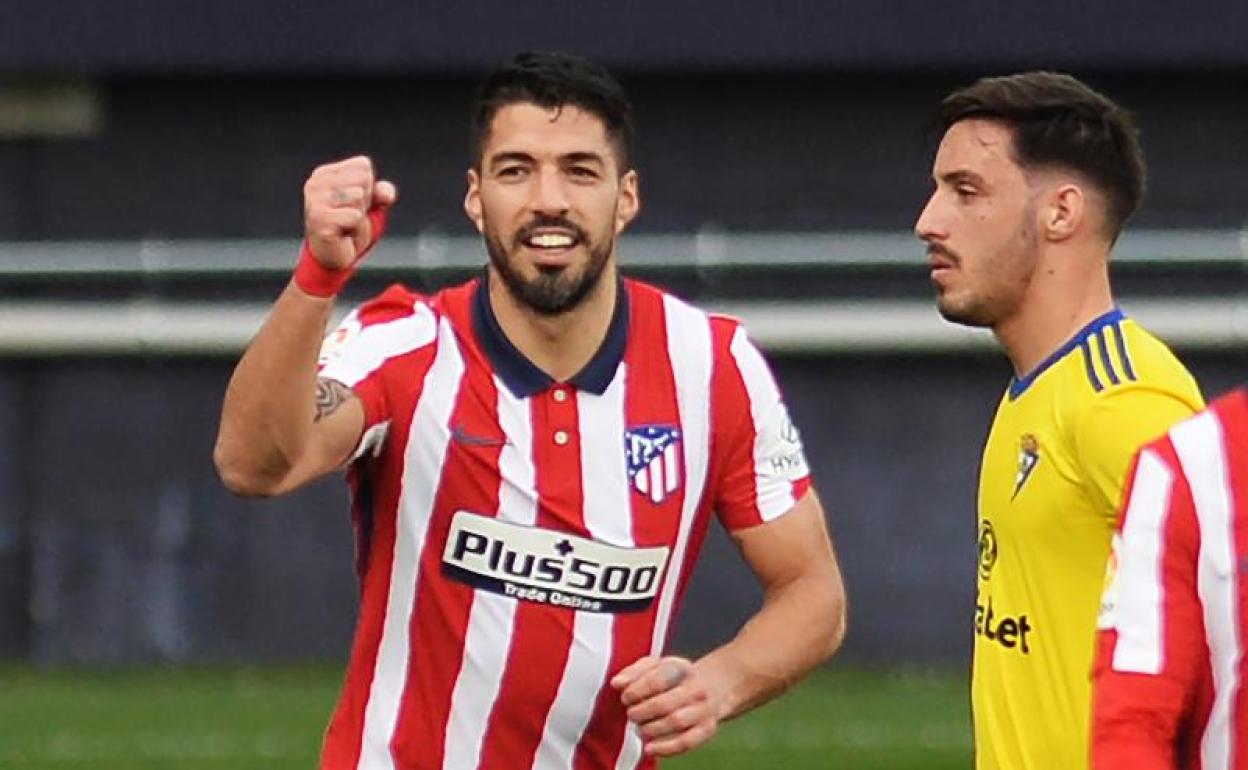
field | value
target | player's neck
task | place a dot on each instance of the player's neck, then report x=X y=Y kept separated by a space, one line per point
x=559 y=345
x=1059 y=302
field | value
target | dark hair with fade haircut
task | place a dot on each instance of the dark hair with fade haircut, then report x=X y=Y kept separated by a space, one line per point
x=1057 y=121
x=554 y=80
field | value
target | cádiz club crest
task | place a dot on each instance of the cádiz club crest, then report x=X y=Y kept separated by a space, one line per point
x=653 y=453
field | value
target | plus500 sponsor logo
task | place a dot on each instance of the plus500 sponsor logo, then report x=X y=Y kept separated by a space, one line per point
x=549 y=567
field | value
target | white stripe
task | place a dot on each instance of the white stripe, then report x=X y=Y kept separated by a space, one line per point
x=1198 y=442
x=671 y=468
x=655 y=469
x=487 y=642
x=689 y=350
x=604 y=477
x=1140 y=590
x=376 y=343
x=774 y=490
x=426 y=452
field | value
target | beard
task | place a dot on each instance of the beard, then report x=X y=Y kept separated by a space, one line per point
x=553 y=291
x=1002 y=279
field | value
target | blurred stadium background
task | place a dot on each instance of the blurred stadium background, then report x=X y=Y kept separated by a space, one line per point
x=151 y=158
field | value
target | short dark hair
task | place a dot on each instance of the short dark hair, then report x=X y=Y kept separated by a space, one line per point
x=555 y=80
x=1058 y=121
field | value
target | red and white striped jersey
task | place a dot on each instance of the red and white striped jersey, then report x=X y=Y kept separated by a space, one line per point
x=1168 y=682
x=520 y=540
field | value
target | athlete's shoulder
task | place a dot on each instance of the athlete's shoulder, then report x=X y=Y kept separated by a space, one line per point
x=682 y=318
x=1151 y=358
x=393 y=323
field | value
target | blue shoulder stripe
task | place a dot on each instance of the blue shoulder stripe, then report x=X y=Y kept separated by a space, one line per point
x=1087 y=365
x=1121 y=342
x=1103 y=344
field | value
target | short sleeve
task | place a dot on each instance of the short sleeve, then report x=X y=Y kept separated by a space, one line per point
x=357 y=353
x=1110 y=431
x=764 y=471
x=1150 y=638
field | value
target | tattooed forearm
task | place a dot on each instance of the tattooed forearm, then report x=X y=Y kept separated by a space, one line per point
x=330 y=394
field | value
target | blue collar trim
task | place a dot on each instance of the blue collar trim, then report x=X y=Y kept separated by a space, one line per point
x=521 y=376
x=1019 y=385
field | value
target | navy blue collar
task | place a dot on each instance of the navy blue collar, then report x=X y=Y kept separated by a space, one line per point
x=521 y=376
x=1020 y=384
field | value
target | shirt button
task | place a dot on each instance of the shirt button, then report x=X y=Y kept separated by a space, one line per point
x=560 y=395
x=561 y=437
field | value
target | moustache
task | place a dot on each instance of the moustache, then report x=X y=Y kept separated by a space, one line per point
x=545 y=222
x=936 y=249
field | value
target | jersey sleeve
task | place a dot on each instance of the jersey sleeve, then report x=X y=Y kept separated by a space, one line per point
x=764 y=471
x=1113 y=427
x=355 y=354
x=1150 y=637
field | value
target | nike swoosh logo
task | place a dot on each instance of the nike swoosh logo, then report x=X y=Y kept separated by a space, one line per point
x=461 y=436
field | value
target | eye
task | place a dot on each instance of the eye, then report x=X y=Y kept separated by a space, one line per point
x=511 y=173
x=586 y=173
x=965 y=192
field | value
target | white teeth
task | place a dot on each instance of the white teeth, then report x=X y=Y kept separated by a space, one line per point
x=551 y=241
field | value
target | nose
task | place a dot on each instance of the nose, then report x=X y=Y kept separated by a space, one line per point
x=549 y=193
x=927 y=226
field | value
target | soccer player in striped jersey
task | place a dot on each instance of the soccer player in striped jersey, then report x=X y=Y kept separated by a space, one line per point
x=1034 y=177
x=535 y=457
x=1168 y=686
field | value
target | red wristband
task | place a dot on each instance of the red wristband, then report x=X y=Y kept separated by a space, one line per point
x=319 y=281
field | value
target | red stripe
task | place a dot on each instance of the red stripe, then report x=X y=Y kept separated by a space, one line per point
x=650 y=399
x=542 y=634
x=469 y=481
x=733 y=435
x=375 y=549
x=1233 y=412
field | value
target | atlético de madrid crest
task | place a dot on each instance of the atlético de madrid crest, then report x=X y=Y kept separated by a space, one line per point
x=653 y=453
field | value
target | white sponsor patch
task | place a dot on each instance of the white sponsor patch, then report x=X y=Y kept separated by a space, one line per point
x=780 y=445
x=548 y=567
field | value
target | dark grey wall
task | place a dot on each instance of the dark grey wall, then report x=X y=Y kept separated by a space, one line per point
x=117 y=544
x=429 y=35
x=187 y=157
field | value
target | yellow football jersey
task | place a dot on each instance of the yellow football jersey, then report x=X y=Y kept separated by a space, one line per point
x=1049 y=487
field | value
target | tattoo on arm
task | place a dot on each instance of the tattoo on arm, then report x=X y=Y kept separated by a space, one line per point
x=330 y=394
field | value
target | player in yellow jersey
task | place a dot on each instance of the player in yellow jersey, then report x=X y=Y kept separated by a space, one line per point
x=1034 y=177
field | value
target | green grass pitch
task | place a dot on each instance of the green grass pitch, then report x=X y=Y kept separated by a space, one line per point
x=208 y=719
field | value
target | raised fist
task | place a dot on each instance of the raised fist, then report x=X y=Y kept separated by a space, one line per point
x=338 y=199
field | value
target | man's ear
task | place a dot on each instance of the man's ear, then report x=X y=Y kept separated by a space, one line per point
x=472 y=200
x=628 y=204
x=1066 y=208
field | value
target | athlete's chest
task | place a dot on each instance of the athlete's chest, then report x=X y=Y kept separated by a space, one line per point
x=1029 y=482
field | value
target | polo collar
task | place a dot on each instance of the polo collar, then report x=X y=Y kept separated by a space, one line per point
x=521 y=376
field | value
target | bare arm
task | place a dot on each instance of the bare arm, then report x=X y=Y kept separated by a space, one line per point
x=281 y=427
x=679 y=703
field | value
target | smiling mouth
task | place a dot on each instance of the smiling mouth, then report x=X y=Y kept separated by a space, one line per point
x=551 y=241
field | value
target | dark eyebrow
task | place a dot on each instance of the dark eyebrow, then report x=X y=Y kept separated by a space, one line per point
x=510 y=157
x=961 y=175
x=584 y=157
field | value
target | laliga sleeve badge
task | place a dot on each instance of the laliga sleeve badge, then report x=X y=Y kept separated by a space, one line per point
x=1105 y=619
x=337 y=340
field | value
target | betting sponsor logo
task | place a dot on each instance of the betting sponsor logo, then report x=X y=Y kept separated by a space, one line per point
x=987 y=549
x=549 y=567
x=1009 y=631
x=654 y=460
